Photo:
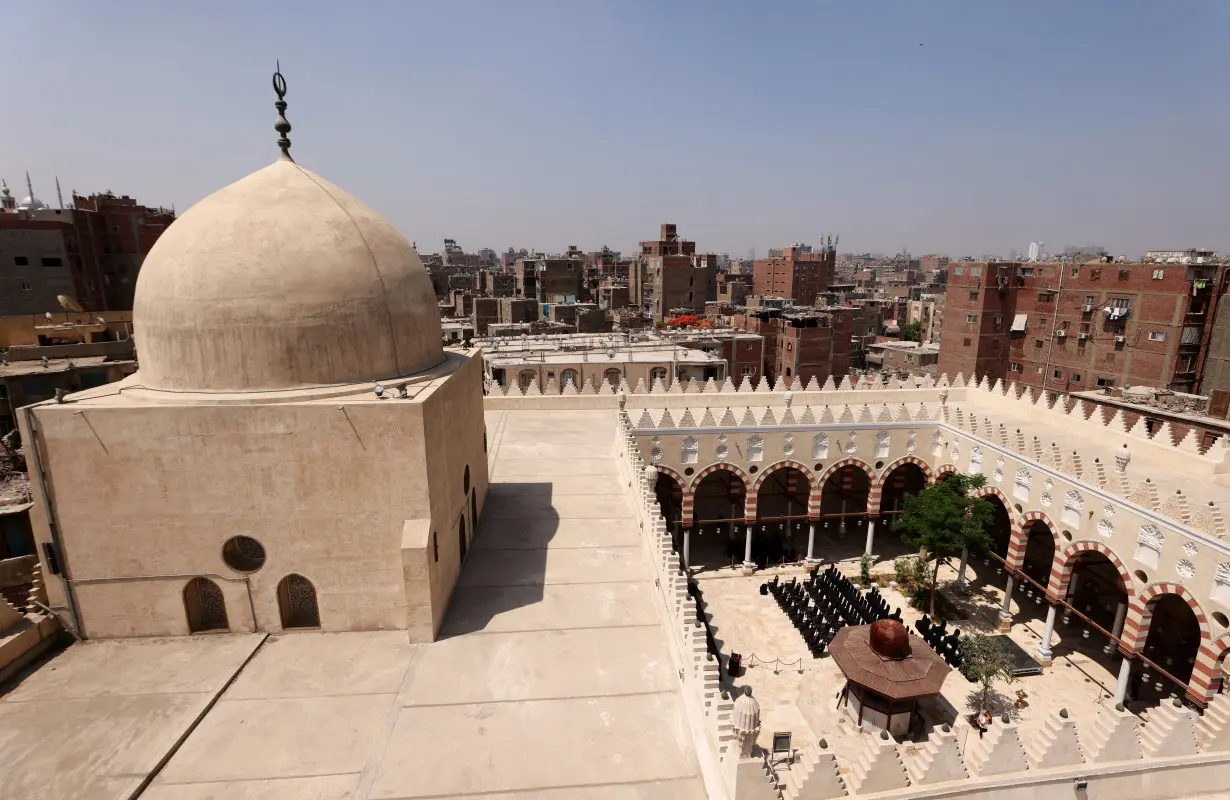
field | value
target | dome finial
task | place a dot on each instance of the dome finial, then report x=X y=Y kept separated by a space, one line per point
x=282 y=126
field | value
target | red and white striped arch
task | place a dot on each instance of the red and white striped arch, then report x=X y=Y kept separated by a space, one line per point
x=1020 y=538
x=1136 y=632
x=1207 y=674
x=753 y=496
x=878 y=484
x=1062 y=567
x=817 y=487
x=689 y=494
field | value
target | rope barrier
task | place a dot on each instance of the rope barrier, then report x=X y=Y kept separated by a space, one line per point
x=777 y=663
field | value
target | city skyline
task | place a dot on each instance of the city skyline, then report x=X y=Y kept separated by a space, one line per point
x=939 y=130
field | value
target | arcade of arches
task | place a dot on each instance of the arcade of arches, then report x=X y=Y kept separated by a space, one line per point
x=722 y=516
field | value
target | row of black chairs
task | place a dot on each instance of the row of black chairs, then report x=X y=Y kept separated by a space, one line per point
x=948 y=645
x=823 y=604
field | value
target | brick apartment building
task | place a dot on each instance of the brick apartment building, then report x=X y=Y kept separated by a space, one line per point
x=799 y=273
x=551 y=280
x=803 y=343
x=673 y=277
x=1069 y=327
x=91 y=252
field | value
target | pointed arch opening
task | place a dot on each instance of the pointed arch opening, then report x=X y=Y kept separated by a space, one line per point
x=205 y=606
x=297 y=602
x=719 y=506
x=781 y=512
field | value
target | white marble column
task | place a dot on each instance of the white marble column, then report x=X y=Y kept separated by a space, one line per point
x=811 y=540
x=747 y=548
x=964 y=563
x=1044 y=647
x=841 y=526
x=687 y=547
x=1125 y=671
x=1116 y=630
x=871 y=535
x=1005 y=612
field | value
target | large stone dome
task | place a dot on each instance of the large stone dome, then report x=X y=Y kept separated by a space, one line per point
x=282 y=281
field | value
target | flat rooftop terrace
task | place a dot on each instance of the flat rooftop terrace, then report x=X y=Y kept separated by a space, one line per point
x=551 y=678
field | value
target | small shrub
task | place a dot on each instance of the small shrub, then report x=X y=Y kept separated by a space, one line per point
x=864 y=570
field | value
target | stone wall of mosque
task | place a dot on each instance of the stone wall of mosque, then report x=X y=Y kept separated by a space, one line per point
x=147 y=497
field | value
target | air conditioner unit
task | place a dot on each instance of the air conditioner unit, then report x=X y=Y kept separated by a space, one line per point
x=1082 y=336
x=1120 y=339
x=1060 y=334
x=1087 y=307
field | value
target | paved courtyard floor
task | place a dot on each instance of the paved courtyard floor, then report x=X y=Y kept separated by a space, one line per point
x=798 y=693
x=551 y=679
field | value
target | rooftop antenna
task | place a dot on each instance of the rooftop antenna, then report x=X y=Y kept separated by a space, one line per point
x=282 y=126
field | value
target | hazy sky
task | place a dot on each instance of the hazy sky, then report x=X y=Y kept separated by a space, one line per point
x=957 y=127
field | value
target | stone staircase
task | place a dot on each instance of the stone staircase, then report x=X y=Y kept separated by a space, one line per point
x=1213 y=731
x=813 y=776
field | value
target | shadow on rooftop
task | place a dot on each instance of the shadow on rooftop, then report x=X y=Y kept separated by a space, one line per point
x=506 y=567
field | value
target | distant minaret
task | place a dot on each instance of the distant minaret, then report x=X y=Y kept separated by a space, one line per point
x=29 y=188
x=59 y=196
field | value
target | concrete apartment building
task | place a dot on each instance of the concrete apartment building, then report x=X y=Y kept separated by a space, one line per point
x=799 y=272
x=928 y=312
x=802 y=342
x=1069 y=327
x=673 y=278
x=551 y=280
x=90 y=252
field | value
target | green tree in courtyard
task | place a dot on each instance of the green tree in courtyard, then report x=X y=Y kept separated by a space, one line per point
x=944 y=519
x=912 y=332
x=984 y=660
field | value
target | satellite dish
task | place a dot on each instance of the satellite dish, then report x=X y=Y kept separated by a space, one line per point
x=69 y=304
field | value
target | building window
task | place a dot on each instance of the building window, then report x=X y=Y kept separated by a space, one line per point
x=690 y=450
x=613 y=377
x=51 y=261
x=967 y=341
x=1084 y=327
x=1157 y=336
x=658 y=374
x=748 y=371
x=959 y=271
x=26 y=287
x=297 y=600
x=1191 y=334
x=1158 y=274
x=1025 y=272
x=21 y=261
x=1076 y=376
x=999 y=320
x=1038 y=343
x=975 y=272
x=755 y=448
x=1119 y=302
x=526 y=379
x=570 y=376
x=1105 y=382
x=973 y=295
x=205 y=606
x=1038 y=370
x=1013 y=366
x=1075 y=273
x=1057 y=373
x=1089 y=300
x=970 y=319
x=1045 y=297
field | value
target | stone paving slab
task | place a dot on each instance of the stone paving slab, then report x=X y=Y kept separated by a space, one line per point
x=541 y=664
x=311 y=664
x=91 y=723
x=528 y=746
x=280 y=738
x=569 y=506
x=538 y=534
x=536 y=567
x=501 y=609
x=327 y=787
